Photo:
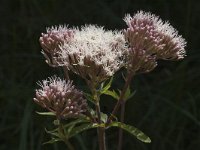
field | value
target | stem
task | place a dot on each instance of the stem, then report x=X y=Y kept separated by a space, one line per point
x=66 y=73
x=101 y=136
x=120 y=136
x=121 y=98
x=121 y=102
x=64 y=138
x=69 y=145
x=100 y=130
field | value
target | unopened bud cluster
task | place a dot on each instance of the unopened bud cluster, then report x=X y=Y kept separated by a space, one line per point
x=61 y=98
x=51 y=42
x=151 y=38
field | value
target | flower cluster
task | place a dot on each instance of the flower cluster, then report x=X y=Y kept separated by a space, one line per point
x=149 y=36
x=51 y=42
x=61 y=98
x=93 y=53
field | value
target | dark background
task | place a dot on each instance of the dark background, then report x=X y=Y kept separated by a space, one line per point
x=167 y=101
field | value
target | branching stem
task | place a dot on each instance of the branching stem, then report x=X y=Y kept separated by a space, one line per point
x=64 y=138
x=121 y=98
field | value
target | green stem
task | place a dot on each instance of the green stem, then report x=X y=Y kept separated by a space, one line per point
x=120 y=136
x=69 y=145
x=121 y=98
x=64 y=138
x=121 y=102
x=100 y=130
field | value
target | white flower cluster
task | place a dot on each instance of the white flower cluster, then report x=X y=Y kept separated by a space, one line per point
x=96 y=54
x=93 y=44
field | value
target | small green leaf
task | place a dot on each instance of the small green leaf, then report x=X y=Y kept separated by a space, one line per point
x=81 y=128
x=89 y=97
x=113 y=94
x=53 y=140
x=75 y=122
x=46 y=113
x=128 y=94
x=104 y=117
x=132 y=130
x=131 y=95
x=53 y=132
x=114 y=117
x=56 y=122
x=104 y=89
x=70 y=129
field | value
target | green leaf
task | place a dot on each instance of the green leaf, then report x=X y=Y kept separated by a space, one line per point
x=75 y=122
x=131 y=95
x=81 y=128
x=104 y=89
x=128 y=94
x=46 y=113
x=132 y=130
x=66 y=126
x=53 y=132
x=113 y=94
x=104 y=117
x=53 y=140
x=70 y=129
x=89 y=97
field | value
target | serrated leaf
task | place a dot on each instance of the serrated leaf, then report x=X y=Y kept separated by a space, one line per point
x=82 y=128
x=113 y=94
x=46 y=113
x=132 y=130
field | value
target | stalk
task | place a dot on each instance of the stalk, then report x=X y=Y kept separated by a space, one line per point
x=121 y=102
x=121 y=98
x=66 y=73
x=120 y=136
x=64 y=138
x=100 y=130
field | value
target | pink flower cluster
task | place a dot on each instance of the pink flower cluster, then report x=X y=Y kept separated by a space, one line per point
x=61 y=98
x=149 y=39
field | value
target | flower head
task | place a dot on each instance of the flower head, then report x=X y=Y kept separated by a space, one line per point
x=147 y=32
x=61 y=98
x=93 y=53
x=50 y=42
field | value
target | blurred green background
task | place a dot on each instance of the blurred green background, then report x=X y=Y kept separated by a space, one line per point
x=167 y=101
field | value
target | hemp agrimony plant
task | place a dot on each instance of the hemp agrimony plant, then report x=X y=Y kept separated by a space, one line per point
x=96 y=54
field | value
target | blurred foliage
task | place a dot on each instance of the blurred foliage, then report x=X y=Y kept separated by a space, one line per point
x=166 y=103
